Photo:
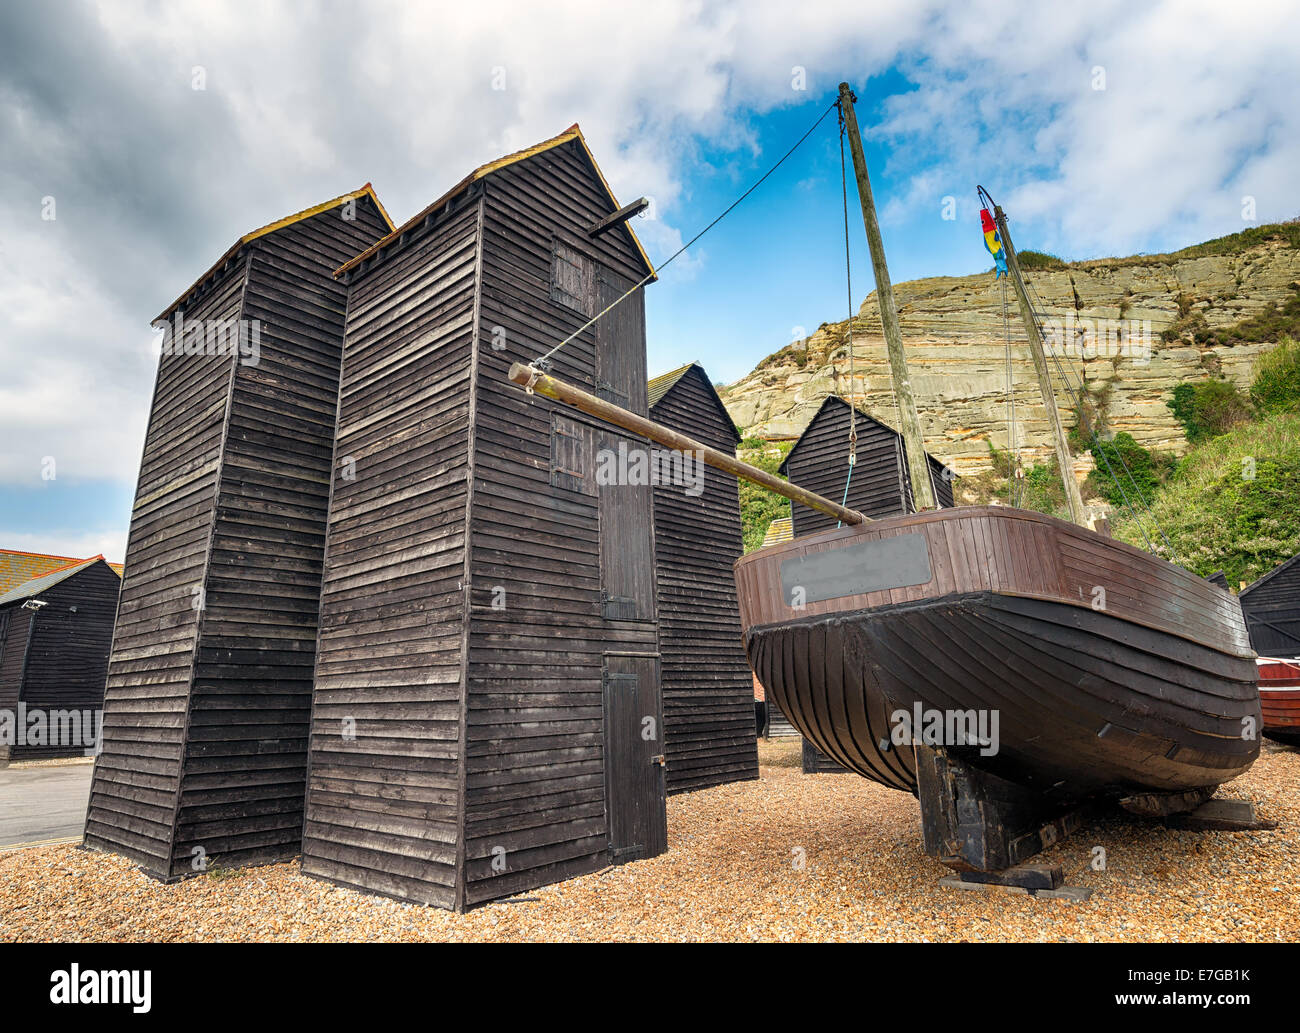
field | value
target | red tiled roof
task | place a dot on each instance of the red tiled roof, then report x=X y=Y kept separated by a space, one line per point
x=17 y=567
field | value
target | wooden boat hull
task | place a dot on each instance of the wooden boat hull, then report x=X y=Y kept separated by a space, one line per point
x=1148 y=685
x=1279 y=696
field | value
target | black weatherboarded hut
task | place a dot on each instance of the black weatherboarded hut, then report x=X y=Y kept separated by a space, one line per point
x=55 y=632
x=708 y=692
x=881 y=485
x=209 y=680
x=488 y=661
x=1271 y=606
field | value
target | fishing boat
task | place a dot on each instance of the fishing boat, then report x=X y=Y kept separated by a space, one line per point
x=1279 y=696
x=1003 y=665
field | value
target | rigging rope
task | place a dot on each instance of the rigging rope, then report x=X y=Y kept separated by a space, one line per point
x=1065 y=374
x=541 y=360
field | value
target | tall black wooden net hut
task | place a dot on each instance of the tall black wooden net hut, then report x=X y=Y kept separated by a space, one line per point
x=209 y=681
x=55 y=632
x=881 y=485
x=487 y=713
x=1271 y=607
x=708 y=692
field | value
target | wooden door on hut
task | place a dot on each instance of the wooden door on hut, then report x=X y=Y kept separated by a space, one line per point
x=708 y=698
x=210 y=675
x=489 y=635
x=880 y=485
x=1271 y=606
x=55 y=633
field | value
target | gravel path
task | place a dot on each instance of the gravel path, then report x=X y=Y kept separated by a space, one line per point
x=731 y=874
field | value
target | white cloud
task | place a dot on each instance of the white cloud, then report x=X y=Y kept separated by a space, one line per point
x=155 y=179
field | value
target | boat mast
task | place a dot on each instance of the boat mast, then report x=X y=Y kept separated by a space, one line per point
x=1073 y=498
x=913 y=443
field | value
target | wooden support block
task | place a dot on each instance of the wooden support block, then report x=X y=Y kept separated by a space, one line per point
x=1029 y=876
x=1161 y=805
x=1222 y=815
x=1070 y=894
x=974 y=821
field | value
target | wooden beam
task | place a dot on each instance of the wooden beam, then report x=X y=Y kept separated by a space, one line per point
x=619 y=217
x=914 y=445
x=533 y=379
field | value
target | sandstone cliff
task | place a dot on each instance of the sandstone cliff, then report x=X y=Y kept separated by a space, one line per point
x=956 y=347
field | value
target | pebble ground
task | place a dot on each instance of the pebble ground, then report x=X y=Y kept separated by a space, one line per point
x=790 y=857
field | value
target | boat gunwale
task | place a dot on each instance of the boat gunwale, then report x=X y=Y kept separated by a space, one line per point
x=1062 y=532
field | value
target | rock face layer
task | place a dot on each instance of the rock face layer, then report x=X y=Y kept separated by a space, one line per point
x=1106 y=317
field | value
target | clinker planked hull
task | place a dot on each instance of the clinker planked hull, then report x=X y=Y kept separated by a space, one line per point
x=1109 y=671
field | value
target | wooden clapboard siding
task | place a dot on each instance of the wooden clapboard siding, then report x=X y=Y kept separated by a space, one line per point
x=819 y=461
x=708 y=694
x=14 y=632
x=534 y=746
x=210 y=679
x=383 y=807
x=243 y=783
x=1272 y=608
x=134 y=788
x=62 y=665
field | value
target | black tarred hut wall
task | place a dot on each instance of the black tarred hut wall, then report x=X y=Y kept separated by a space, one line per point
x=488 y=669
x=53 y=657
x=881 y=486
x=1271 y=606
x=209 y=680
x=708 y=692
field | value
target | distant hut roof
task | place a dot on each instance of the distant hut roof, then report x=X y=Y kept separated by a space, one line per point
x=572 y=133
x=1287 y=565
x=830 y=400
x=781 y=529
x=659 y=387
x=279 y=224
x=17 y=567
x=46 y=581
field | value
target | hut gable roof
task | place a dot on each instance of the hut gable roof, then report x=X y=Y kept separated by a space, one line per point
x=659 y=388
x=572 y=134
x=830 y=401
x=46 y=581
x=279 y=224
x=1265 y=579
x=18 y=567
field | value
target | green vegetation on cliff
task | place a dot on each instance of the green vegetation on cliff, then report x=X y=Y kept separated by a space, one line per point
x=758 y=506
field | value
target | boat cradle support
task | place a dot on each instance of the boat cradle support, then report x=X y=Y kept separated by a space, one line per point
x=975 y=822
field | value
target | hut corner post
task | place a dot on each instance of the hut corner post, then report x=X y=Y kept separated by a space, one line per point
x=914 y=445
x=1073 y=497
x=533 y=379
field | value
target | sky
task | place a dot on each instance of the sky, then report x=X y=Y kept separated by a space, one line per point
x=139 y=140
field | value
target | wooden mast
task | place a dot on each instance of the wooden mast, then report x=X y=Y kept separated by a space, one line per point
x=532 y=379
x=1073 y=497
x=913 y=443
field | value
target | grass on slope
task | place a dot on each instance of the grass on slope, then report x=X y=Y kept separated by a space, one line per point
x=1233 y=504
x=758 y=506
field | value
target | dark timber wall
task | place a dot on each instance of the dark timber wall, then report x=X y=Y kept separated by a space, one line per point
x=1271 y=607
x=209 y=682
x=56 y=658
x=488 y=631
x=880 y=487
x=708 y=689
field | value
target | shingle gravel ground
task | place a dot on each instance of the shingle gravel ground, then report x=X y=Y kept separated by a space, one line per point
x=733 y=873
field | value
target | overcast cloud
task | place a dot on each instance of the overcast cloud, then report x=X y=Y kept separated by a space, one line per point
x=152 y=179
